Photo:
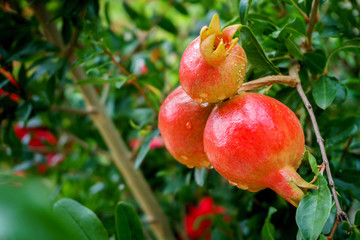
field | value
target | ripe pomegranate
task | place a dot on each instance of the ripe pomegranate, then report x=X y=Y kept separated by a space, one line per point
x=181 y=123
x=213 y=66
x=256 y=142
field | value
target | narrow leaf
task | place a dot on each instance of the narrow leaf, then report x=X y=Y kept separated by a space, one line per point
x=313 y=210
x=312 y=161
x=23 y=111
x=166 y=24
x=82 y=222
x=200 y=176
x=101 y=81
x=354 y=43
x=145 y=147
x=268 y=230
x=293 y=48
x=254 y=52
x=244 y=6
x=357 y=218
x=128 y=225
x=324 y=91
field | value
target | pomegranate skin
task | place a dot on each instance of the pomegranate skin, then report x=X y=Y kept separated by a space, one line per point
x=256 y=142
x=182 y=123
x=211 y=83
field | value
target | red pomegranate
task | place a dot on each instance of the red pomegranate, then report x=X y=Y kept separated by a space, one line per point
x=213 y=66
x=181 y=123
x=256 y=142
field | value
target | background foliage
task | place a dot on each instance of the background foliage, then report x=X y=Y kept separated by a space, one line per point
x=147 y=38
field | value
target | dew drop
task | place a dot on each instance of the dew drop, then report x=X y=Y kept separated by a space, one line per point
x=190 y=166
x=232 y=183
x=221 y=97
x=188 y=125
x=204 y=104
x=184 y=157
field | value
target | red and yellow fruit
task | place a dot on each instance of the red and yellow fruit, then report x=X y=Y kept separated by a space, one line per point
x=256 y=142
x=213 y=66
x=181 y=123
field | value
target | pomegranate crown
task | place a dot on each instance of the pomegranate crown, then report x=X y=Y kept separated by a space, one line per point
x=215 y=44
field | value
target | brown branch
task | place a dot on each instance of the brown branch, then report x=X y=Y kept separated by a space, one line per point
x=267 y=81
x=117 y=147
x=333 y=230
x=346 y=149
x=294 y=69
x=312 y=20
x=74 y=110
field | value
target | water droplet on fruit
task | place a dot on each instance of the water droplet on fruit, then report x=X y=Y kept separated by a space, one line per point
x=184 y=157
x=188 y=125
x=204 y=104
x=232 y=183
x=203 y=95
x=190 y=166
x=198 y=100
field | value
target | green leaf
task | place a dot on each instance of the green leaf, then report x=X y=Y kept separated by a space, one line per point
x=313 y=210
x=315 y=61
x=299 y=236
x=354 y=43
x=101 y=81
x=200 y=176
x=145 y=147
x=82 y=222
x=322 y=237
x=293 y=48
x=23 y=111
x=244 y=6
x=268 y=230
x=294 y=26
x=312 y=161
x=166 y=24
x=128 y=225
x=324 y=91
x=254 y=52
x=357 y=218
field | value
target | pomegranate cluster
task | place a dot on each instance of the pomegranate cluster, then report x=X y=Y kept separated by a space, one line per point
x=252 y=140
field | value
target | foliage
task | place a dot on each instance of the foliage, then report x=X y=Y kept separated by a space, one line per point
x=147 y=39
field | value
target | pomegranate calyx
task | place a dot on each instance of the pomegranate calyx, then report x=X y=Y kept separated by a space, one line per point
x=289 y=185
x=215 y=44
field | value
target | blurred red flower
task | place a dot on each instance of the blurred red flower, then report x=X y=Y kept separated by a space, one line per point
x=156 y=142
x=199 y=220
x=38 y=137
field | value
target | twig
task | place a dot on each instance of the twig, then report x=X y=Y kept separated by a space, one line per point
x=74 y=110
x=105 y=93
x=300 y=10
x=312 y=21
x=120 y=154
x=132 y=80
x=333 y=230
x=294 y=72
x=269 y=80
x=346 y=149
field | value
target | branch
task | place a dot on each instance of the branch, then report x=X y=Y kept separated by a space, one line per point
x=311 y=24
x=333 y=230
x=269 y=80
x=116 y=145
x=300 y=10
x=91 y=110
x=294 y=73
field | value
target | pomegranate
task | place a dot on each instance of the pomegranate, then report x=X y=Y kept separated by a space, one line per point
x=256 y=142
x=213 y=66
x=181 y=123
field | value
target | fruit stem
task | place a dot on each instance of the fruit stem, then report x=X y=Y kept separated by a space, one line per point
x=269 y=80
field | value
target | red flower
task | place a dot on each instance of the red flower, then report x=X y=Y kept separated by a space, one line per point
x=38 y=137
x=156 y=142
x=199 y=220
